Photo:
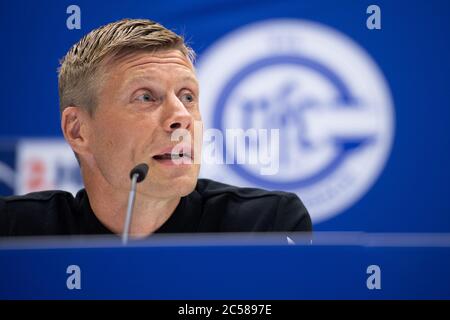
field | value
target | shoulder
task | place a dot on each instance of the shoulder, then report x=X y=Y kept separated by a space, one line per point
x=35 y=200
x=253 y=209
x=33 y=213
x=36 y=196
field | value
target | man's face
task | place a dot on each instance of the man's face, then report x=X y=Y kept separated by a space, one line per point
x=145 y=97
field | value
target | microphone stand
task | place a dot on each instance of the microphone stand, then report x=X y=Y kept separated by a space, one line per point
x=131 y=198
x=137 y=175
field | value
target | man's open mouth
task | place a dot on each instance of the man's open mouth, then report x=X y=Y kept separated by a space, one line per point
x=172 y=156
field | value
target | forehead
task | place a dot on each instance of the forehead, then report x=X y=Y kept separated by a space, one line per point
x=171 y=63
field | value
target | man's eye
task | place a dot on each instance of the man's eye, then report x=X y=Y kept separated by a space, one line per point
x=189 y=98
x=145 y=97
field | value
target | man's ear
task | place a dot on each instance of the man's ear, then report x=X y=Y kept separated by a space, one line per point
x=75 y=125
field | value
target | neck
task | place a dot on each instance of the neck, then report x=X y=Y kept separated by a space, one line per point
x=109 y=205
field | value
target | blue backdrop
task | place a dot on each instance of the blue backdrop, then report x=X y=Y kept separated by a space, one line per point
x=412 y=50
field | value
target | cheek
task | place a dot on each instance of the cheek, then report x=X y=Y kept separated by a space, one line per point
x=112 y=140
x=127 y=140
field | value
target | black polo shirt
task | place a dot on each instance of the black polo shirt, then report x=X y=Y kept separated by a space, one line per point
x=211 y=207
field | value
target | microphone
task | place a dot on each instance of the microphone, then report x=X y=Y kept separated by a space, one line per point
x=137 y=175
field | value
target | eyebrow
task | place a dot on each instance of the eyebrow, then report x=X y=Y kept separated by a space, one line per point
x=130 y=81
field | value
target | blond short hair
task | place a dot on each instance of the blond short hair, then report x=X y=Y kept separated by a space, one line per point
x=80 y=71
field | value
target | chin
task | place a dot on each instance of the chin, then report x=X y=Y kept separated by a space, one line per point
x=183 y=186
x=175 y=187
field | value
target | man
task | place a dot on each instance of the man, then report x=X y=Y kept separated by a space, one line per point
x=125 y=88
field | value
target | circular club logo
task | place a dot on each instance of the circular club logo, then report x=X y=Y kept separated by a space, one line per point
x=325 y=95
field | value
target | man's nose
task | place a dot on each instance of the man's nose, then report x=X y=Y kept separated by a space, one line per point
x=176 y=115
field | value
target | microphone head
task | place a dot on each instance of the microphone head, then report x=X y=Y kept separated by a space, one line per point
x=141 y=170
